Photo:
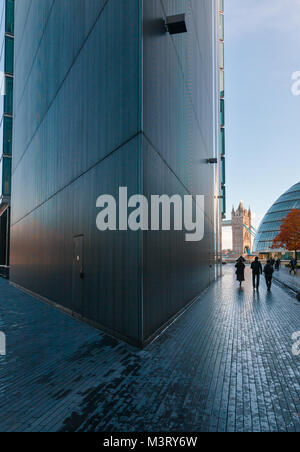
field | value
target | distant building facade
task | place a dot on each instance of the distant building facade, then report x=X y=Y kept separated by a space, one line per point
x=6 y=124
x=241 y=225
x=222 y=105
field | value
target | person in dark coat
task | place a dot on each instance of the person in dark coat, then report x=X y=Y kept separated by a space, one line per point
x=293 y=264
x=268 y=271
x=256 y=268
x=277 y=264
x=240 y=270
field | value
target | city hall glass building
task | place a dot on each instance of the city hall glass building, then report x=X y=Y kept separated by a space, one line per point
x=105 y=97
x=271 y=223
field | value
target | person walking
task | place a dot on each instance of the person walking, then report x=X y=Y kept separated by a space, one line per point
x=268 y=271
x=293 y=266
x=240 y=270
x=277 y=264
x=256 y=268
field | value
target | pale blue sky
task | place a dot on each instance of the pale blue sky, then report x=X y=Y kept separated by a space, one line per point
x=262 y=50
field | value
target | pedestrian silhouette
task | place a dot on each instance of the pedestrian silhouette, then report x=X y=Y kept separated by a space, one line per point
x=240 y=270
x=256 y=268
x=293 y=265
x=277 y=264
x=268 y=271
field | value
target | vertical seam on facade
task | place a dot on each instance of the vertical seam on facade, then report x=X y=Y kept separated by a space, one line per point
x=141 y=93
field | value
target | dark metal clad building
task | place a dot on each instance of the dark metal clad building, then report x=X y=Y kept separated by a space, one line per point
x=105 y=98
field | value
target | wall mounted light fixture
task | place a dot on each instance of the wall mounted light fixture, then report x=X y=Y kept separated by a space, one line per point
x=176 y=24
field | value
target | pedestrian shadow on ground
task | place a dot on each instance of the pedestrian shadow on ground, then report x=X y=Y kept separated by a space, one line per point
x=240 y=298
x=269 y=296
x=256 y=295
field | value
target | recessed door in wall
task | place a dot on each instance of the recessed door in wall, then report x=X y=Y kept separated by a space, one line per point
x=78 y=274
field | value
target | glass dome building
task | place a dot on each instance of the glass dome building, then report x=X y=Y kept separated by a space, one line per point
x=270 y=225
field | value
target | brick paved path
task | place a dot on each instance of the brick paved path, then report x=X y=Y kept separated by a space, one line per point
x=291 y=280
x=225 y=365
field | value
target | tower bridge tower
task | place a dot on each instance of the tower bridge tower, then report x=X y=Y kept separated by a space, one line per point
x=241 y=237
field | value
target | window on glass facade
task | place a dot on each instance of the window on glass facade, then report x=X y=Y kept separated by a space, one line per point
x=9 y=55
x=289 y=205
x=221 y=27
x=290 y=196
x=223 y=192
x=223 y=141
x=221 y=5
x=8 y=98
x=276 y=216
x=221 y=54
x=9 y=19
x=222 y=84
x=7 y=136
x=6 y=176
x=223 y=172
x=265 y=236
x=222 y=112
x=273 y=226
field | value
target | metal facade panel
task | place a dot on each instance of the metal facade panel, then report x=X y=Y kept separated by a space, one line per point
x=76 y=137
x=42 y=247
x=179 y=127
x=178 y=117
x=175 y=271
x=95 y=84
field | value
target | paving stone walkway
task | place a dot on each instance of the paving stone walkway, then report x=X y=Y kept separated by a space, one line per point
x=225 y=365
x=290 y=280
